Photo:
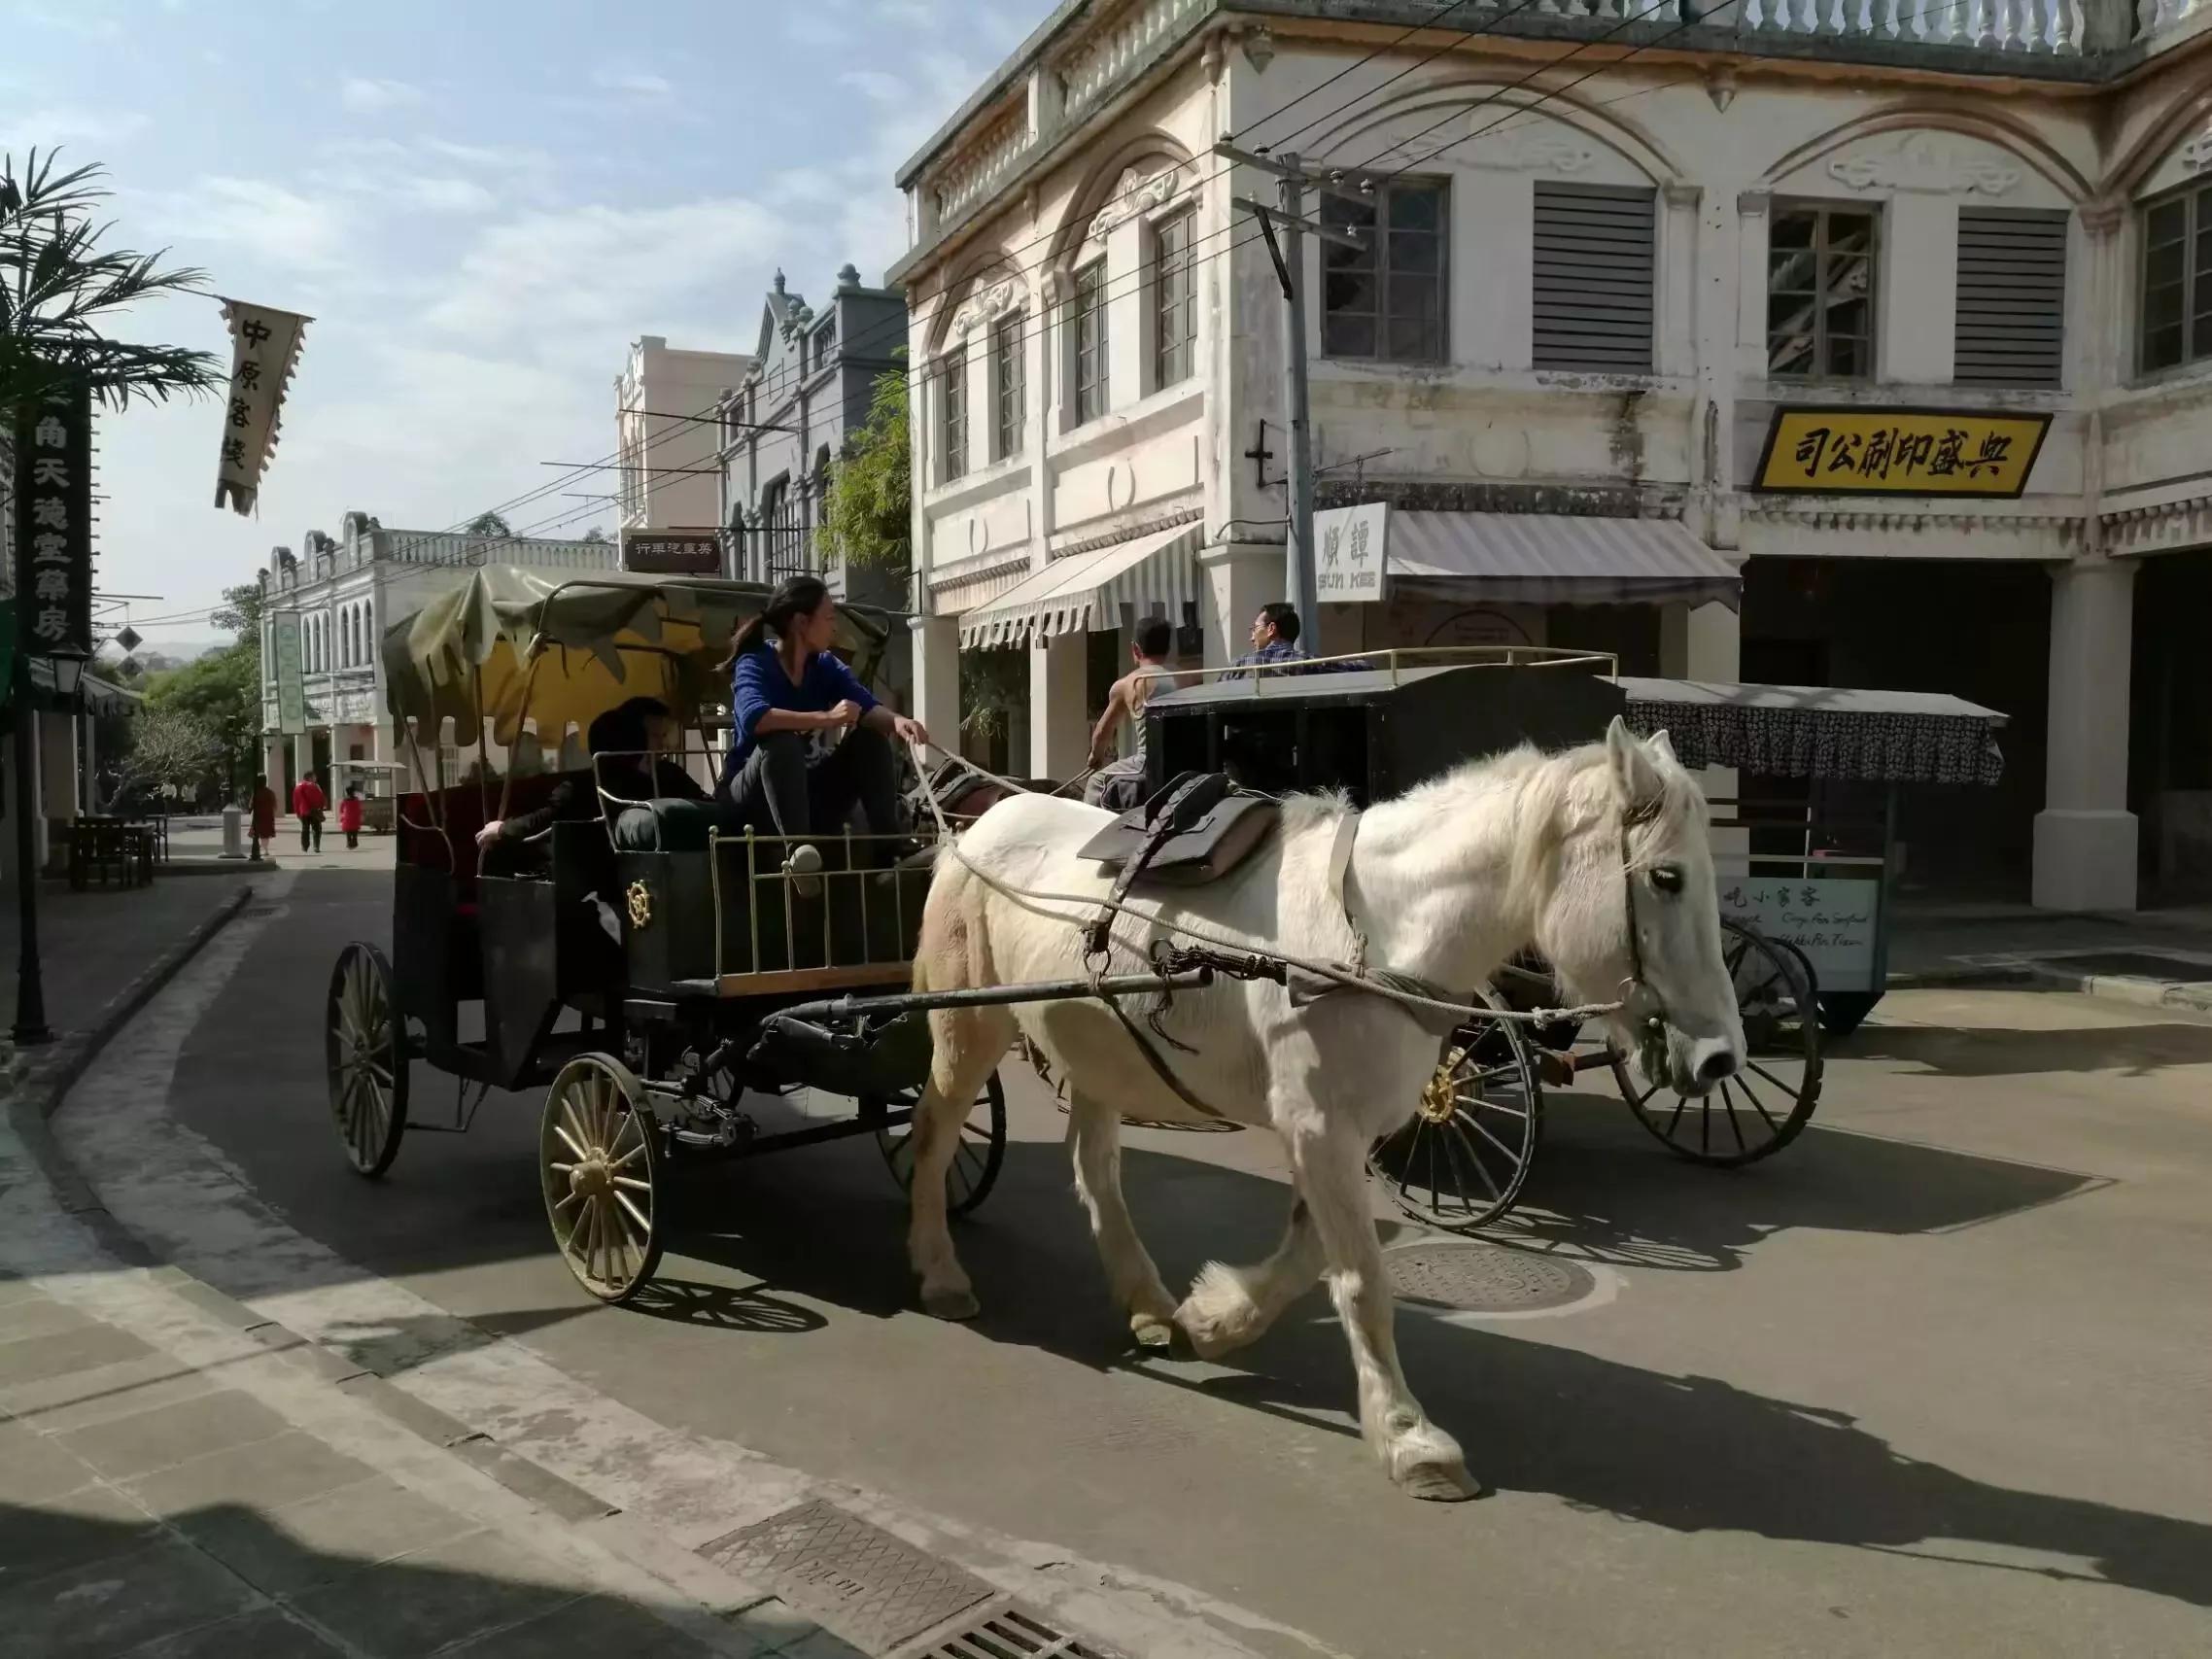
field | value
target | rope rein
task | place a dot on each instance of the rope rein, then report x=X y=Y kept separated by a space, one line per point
x=1353 y=979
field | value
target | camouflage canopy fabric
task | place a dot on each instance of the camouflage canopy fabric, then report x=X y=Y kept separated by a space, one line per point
x=511 y=645
x=1821 y=731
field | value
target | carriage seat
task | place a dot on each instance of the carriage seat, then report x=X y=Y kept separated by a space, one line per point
x=1196 y=830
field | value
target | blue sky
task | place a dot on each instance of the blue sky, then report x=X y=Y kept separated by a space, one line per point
x=481 y=202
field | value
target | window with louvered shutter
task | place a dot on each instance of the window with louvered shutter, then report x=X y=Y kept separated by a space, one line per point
x=2012 y=297
x=1594 y=251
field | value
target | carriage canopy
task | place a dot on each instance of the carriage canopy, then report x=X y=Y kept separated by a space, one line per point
x=512 y=644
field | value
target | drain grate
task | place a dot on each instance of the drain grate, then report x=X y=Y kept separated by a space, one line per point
x=1011 y=1633
x=1474 y=1277
x=868 y=1586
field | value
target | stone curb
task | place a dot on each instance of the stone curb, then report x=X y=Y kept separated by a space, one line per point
x=34 y=1091
x=2166 y=995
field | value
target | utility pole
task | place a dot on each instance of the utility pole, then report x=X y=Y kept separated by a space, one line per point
x=1288 y=250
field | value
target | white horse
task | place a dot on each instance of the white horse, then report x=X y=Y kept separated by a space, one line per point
x=1570 y=852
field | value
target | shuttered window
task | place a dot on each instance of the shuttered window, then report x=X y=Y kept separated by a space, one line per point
x=1594 y=253
x=2012 y=297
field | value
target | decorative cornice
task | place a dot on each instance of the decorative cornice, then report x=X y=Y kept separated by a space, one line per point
x=986 y=305
x=1134 y=195
x=1776 y=510
x=1923 y=165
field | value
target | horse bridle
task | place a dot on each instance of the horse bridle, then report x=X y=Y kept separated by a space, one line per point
x=1643 y=1009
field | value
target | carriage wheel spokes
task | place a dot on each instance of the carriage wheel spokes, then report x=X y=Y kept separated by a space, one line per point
x=976 y=1161
x=364 y=1053
x=600 y=1167
x=1765 y=1106
x=1461 y=1160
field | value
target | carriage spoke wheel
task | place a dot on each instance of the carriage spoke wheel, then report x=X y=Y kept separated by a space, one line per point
x=973 y=1169
x=1461 y=1162
x=601 y=1167
x=1764 y=1107
x=366 y=1059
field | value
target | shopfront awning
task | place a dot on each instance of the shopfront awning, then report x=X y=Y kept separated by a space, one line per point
x=1555 y=558
x=1154 y=574
x=1822 y=731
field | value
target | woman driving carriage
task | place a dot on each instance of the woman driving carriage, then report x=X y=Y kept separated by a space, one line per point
x=808 y=741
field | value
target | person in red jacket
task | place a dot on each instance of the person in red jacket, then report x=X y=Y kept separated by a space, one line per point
x=349 y=817
x=307 y=805
x=261 y=815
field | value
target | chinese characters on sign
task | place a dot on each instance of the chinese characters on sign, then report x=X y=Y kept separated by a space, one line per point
x=673 y=552
x=1831 y=918
x=264 y=348
x=53 y=523
x=1900 y=452
x=291 y=679
x=1349 y=544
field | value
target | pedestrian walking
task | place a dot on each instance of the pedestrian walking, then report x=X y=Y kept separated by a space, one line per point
x=349 y=817
x=307 y=805
x=261 y=815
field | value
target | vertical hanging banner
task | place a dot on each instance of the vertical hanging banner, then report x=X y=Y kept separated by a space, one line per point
x=264 y=350
x=290 y=680
x=53 y=522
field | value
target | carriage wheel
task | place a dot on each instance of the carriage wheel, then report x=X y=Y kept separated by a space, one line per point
x=1764 y=1107
x=1462 y=1160
x=975 y=1166
x=366 y=1060
x=600 y=1164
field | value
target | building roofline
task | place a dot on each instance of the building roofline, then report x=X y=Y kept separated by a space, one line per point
x=995 y=86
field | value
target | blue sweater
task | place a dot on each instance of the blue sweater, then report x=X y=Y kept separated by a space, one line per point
x=759 y=683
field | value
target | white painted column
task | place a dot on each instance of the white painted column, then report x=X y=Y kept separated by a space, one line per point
x=1241 y=576
x=1707 y=643
x=1060 y=726
x=936 y=650
x=2085 y=837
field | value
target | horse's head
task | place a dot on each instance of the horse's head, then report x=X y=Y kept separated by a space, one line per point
x=1632 y=915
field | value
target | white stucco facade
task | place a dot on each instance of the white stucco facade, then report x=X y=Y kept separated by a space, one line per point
x=1102 y=128
x=664 y=420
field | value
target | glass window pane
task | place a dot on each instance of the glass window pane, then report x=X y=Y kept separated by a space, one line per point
x=1790 y=273
x=2162 y=347
x=1415 y=251
x=1789 y=354
x=1354 y=212
x=1792 y=227
x=1416 y=207
x=2167 y=221
x=1849 y=317
x=1851 y=232
x=2165 y=264
x=1850 y=276
x=1414 y=339
x=1415 y=297
x=2161 y=306
x=1789 y=314
x=1348 y=291
x=1849 y=359
x=1348 y=336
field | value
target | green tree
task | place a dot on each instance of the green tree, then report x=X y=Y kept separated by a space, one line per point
x=221 y=690
x=489 y=523
x=60 y=292
x=595 y=535
x=868 y=519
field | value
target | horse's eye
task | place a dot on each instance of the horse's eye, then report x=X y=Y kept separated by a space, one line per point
x=1666 y=878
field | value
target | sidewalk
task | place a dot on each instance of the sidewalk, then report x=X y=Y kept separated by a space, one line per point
x=2160 y=959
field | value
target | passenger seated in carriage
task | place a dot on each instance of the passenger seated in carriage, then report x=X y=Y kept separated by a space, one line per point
x=621 y=741
x=808 y=743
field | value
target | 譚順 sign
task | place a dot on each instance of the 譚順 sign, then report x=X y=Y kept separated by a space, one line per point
x=53 y=522
x=673 y=552
x=1351 y=543
x=1862 y=451
x=1833 y=919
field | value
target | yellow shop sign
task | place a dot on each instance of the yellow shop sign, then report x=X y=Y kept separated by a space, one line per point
x=1863 y=451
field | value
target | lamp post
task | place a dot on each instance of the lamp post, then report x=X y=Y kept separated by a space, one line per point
x=30 y=1027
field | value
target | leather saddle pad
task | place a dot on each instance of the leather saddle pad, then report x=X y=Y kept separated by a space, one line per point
x=1216 y=829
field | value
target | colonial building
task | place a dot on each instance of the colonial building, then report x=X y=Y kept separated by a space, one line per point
x=812 y=380
x=663 y=408
x=1772 y=342
x=342 y=594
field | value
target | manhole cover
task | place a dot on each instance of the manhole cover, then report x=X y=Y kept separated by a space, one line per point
x=1485 y=1278
x=2133 y=965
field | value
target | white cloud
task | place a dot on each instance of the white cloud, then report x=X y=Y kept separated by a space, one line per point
x=874 y=85
x=280 y=226
x=636 y=81
x=66 y=123
x=363 y=96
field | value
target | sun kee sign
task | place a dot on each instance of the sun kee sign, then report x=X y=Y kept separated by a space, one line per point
x=1352 y=541
x=53 y=522
x=1899 y=452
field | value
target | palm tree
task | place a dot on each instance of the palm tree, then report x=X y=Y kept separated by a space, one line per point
x=60 y=292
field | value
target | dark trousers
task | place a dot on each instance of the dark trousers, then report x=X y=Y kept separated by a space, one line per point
x=789 y=787
x=352 y=841
x=311 y=832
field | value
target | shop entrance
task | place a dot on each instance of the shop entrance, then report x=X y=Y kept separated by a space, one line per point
x=2169 y=752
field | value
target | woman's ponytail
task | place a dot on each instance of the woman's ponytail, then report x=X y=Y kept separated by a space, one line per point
x=799 y=595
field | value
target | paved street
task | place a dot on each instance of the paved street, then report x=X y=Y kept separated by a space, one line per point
x=1932 y=1383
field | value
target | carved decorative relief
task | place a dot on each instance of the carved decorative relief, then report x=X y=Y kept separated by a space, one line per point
x=1542 y=150
x=1134 y=195
x=984 y=306
x=2197 y=153
x=1925 y=164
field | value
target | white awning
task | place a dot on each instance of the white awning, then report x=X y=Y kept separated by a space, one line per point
x=1153 y=575
x=1556 y=559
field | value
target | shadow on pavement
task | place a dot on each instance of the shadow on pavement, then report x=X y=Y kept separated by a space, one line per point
x=1970 y=1050
x=87 y=1577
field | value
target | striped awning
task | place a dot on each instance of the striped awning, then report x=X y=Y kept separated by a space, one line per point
x=1555 y=558
x=1153 y=575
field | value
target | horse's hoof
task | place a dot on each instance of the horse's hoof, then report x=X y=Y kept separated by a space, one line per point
x=954 y=1304
x=1439 y=1483
x=1151 y=1330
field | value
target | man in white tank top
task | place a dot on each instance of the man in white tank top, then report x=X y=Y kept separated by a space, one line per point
x=1118 y=784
